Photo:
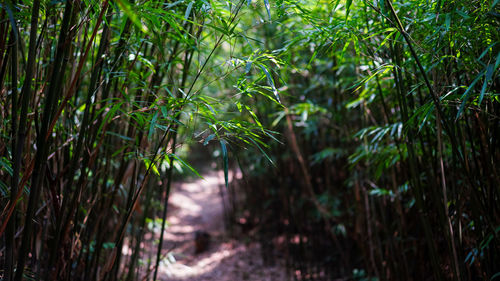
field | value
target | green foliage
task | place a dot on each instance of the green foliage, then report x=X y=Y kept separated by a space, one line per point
x=119 y=90
x=384 y=118
x=393 y=122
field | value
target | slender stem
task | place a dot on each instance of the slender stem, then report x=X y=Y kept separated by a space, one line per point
x=9 y=235
x=42 y=145
x=165 y=205
x=445 y=202
x=435 y=98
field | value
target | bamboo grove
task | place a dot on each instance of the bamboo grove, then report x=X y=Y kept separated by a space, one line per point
x=391 y=130
x=97 y=99
x=367 y=133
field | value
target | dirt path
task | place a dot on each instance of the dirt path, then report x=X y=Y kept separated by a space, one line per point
x=197 y=206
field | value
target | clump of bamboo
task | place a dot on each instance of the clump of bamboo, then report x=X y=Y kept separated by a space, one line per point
x=391 y=126
x=108 y=92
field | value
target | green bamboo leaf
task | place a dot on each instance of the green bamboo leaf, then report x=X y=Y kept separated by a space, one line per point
x=447 y=21
x=188 y=11
x=336 y=4
x=466 y=95
x=152 y=125
x=347 y=8
x=109 y=115
x=268 y=8
x=151 y=165
x=280 y=116
x=314 y=55
x=248 y=66
x=487 y=79
x=463 y=14
x=261 y=150
x=271 y=83
x=185 y=164
x=327 y=153
x=5 y=164
x=127 y=9
x=224 y=31
x=381 y=4
x=4 y=190
x=270 y=134
x=225 y=160
x=13 y=24
x=120 y=136
x=239 y=106
x=119 y=150
x=208 y=139
x=344 y=49
x=254 y=116
x=386 y=39
x=486 y=50
x=281 y=8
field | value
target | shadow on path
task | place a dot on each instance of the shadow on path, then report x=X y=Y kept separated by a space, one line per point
x=197 y=206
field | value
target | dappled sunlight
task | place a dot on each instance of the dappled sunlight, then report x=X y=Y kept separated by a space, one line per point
x=228 y=262
x=201 y=266
x=189 y=205
x=249 y=140
x=197 y=206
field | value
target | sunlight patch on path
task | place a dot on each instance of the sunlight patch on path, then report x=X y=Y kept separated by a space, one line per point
x=195 y=206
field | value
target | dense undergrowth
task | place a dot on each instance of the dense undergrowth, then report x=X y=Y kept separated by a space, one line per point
x=373 y=128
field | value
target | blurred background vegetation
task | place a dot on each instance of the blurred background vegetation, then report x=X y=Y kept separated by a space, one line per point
x=366 y=133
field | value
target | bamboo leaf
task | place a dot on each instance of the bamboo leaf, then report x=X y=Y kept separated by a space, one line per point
x=5 y=164
x=208 y=139
x=254 y=116
x=486 y=51
x=188 y=11
x=4 y=190
x=109 y=115
x=151 y=165
x=271 y=83
x=128 y=10
x=487 y=79
x=336 y=5
x=120 y=136
x=248 y=66
x=268 y=8
x=386 y=39
x=152 y=125
x=13 y=24
x=261 y=150
x=447 y=21
x=347 y=8
x=185 y=164
x=466 y=95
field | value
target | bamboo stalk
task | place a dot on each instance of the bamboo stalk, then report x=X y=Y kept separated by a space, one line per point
x=16 y=159
x=42 y=145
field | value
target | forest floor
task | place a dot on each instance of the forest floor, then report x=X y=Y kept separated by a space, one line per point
x=197 y=205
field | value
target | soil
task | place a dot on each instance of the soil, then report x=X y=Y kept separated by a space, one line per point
x=198 y=206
